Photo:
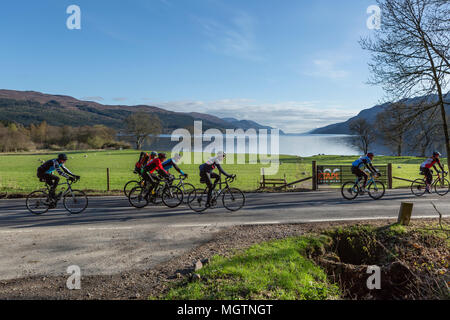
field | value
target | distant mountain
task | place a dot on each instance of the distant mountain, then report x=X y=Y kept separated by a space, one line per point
x=370 y=115
x=27 y=107
x=247 y=124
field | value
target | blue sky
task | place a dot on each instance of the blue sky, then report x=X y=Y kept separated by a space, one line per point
x=292 y=64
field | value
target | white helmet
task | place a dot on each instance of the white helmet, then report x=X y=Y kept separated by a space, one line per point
x=176 y=157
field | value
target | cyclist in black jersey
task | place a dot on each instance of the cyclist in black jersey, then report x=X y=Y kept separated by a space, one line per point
x=45 y=172
x=206 y=173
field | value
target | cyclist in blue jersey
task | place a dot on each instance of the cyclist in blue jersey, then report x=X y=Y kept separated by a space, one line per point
x=172 y=163
x=45 y=172
x=364 y=161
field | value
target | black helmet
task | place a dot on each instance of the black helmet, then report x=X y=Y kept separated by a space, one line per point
x=62 y=156
x=436 y=153
x=161 y=155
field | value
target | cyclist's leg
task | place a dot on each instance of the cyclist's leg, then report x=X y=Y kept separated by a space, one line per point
x=206 y=176
x=429 y=178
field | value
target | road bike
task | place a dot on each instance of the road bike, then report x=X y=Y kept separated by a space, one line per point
x=74 y=201
x=185 y=187
x=440 y=184
x=375 y=188
x=171 y=195
x=233 y=199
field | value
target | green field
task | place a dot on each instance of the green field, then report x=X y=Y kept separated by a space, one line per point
x=18 y=171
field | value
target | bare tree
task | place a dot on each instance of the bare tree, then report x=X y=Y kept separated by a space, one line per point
x=142 y=126
x=363 y=134
x=392 y=127
x=410 y=53
x=426 y=133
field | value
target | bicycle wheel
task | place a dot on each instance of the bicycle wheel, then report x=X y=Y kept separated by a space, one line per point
x=37 y=202
x=233 y=199
x=350 y=190
x=130 y=185
x=75 y=201
x=418 y=187
x=197 y=200
x=376 y=190
x=442 y=187
x=172 y=196
x=138 y=197
x=187 y=188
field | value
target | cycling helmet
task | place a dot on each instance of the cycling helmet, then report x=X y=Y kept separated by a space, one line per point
x=62 y=156
x=161 y=155
x=153 y=154
x=176 y=157
x=221 y=154
x=370 y=155
x=436 y=153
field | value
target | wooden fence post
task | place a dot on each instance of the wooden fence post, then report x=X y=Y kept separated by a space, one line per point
x=314 y=175
x=404 y=215
x=389 y=175
x=107 y=179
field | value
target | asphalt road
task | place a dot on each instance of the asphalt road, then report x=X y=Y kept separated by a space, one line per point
x=110 y=236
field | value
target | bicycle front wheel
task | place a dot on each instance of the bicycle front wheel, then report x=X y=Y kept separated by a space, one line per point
x=350 y=190
x=187 y=189
x=172 y=196
x=75 y=201
x=138 y=197
x=37 y=202
x=442 y=187
x=197 y=200
x=418 y=187
x=129 y=186
x=376 y=190
x=233 y=199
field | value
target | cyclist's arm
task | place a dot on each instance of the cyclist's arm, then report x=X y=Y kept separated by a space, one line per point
x=67 y=171
x=221 y=170
x=60 y=172
x=177 y=168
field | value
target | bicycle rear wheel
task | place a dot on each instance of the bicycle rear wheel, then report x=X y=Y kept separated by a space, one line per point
x=350 y=190
x=233 y=199
x=197 y=200
x=442 y=187
x=172 y=196
x=418 y=187
x=376 y=190
x=138 y=197
x=75 y=201
x=37 y=202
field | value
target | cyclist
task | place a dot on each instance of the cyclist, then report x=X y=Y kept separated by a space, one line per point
x=363 y=161
x=45 y=173
x=206 y=173
x=425 y=169
x=144 y=160
x=172 y=163
x=155 y=165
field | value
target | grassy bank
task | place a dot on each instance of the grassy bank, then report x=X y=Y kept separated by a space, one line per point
x=414 y=261
x=18 y=171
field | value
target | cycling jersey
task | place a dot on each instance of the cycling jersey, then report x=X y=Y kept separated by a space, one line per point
x=430 y=162
x=361 y=162
x=154 y=165
x=52 y=165
x=169 y=164
x=211 y=164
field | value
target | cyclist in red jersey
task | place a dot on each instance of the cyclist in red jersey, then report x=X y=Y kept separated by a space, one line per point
x=151 y=167
x=425 y=168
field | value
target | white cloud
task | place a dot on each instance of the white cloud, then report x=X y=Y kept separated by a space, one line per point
x=290 y=116
x=325 y=68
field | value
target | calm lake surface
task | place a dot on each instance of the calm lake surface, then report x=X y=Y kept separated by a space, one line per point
x=301 y=145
